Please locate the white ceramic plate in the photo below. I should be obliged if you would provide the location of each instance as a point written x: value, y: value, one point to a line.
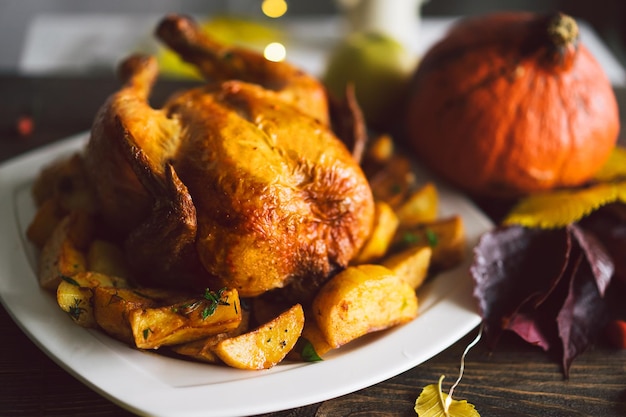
x: 153, y: 385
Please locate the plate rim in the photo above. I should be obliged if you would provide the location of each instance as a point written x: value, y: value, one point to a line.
x: 144, y: 393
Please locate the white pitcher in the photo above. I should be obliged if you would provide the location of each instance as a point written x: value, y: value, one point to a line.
x: 399, y: 19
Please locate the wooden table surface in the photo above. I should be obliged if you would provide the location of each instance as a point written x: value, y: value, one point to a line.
x: 514, y: 380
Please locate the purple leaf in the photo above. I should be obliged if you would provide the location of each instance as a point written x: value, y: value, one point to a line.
x: 609, y: 225
x: 583, y: 314
x: 515, y: 266
x: 546, y: 285
x: 597, y: 256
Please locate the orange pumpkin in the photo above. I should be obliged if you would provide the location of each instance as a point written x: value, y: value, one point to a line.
x: 511, y: 103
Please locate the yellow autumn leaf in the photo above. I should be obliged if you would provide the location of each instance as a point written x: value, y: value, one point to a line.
x: 432, y: 402
x: 560, y: 208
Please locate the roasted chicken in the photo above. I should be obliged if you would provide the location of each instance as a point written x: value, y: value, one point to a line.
x: 239, y: 182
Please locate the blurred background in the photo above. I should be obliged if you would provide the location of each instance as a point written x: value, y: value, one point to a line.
x: 606, y: 17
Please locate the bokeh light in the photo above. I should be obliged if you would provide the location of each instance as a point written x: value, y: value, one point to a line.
x: 275, y: 51
x: 274, y: 8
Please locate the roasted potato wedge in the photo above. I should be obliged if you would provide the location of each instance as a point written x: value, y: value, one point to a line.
x: 265, y: 309
x: 75, y: 295
x: 411, y: 264
x: 63, y: 254
x: 380, y: 149
x: 360, y: 300
x: 265, y: 346
x: 185, y: 321
x: 202, y: 349
x: 445, y: 236
x: 112, y: 307
x: 107, y: 258
x: 65, y: 182
x: 46, y: 219
x: 377, y: 244
x: 312, y: 345
x: 394, y: 181
x: 421, y: 206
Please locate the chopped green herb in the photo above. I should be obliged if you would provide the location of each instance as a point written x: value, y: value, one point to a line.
x: 209, y: 303
x: 76, y: 310
x: 410, y: 238
x: 432, y: 238
x: 215, y: 299
x: 208, y: 311
x: 146, y: 333
x: 70, y: 280
x: 395, y: 188
x: 307, y: 350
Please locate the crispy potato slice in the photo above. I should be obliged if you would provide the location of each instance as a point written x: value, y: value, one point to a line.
x: 186, y: 321
x: 63, y: 253
x: 393, y: 182
x: 421, y: 206
x: 112, y: 307
x: 380, y: 149
x: 265, y: 309
x: 265, y: 346
x: 46, y: 219
x: 445, y: 236
x: 385, y: 225
x: 75, y: 295
x: 362, y: 299
x: 202, y: 349
x: 65, y: 182
x: 107, y: 258
x: 312, y: 345
x: 411, y: 264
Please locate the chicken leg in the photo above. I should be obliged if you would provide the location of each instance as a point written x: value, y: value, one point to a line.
x: 218, y: 62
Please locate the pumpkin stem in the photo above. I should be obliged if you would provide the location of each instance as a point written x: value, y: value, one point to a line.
x: 562, y: 30
x: 560, y: 37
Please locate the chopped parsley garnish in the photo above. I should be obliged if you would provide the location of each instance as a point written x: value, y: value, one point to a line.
x: 410, y: 238
x: 70, y: 280
x: 307, y: 350
x: 432, y: 238
x: 395, y: 189
x: 209, y: 303
x: 76, y: 310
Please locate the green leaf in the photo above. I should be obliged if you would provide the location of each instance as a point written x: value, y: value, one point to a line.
x: 432, y: 403
x: 559, y: 208
x: 70, y: 280
x: 307, y: 350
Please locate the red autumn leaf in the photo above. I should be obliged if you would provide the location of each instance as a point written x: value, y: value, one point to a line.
x: 597, y: 256
x: 609, y: 225
x: 546, y: 285
x: 583, y: 314
x: 513, y: 267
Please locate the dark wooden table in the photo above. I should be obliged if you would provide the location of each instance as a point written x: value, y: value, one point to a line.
x: 514, y: 380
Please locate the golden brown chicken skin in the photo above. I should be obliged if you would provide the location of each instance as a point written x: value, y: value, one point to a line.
x: 232, y: 183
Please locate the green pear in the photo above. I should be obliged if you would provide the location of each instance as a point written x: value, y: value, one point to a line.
x: 379, y: 67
